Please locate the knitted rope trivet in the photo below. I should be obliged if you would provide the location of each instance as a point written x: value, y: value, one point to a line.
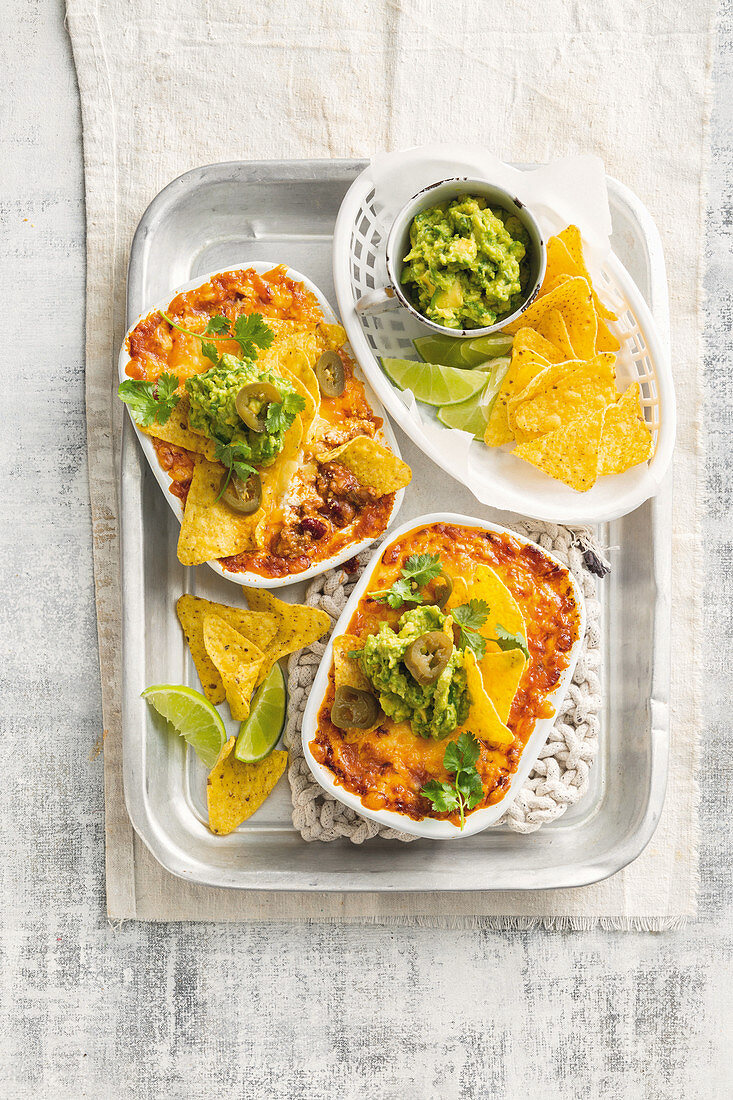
x: 560, y: 776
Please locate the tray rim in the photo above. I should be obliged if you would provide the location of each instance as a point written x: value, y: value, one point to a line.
x: 592, y: 869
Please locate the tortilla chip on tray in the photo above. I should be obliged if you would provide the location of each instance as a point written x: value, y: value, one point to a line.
x: 483, y: 720
x: 258, y: 627
x: 238, y: 661
x: 501, y: 671
x: 297, y: 624
x: 625, y: 439
x: 569, y: 454
x: 235, y: 790
x: 373, y: 464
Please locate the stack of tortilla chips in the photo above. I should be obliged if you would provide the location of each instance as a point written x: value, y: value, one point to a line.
x: 559, y: 400
x: 234, y: 649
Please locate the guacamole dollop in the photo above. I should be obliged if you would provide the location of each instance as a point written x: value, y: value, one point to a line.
x: 466, y: 265
x: 433, y: 710
x: 213, y: 410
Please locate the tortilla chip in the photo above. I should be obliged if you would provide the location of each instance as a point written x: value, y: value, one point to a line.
x: 569, y: 454
x: 334, y: 336
x: 573, y: 300
x: 605, y: 339
x: 501, y: 672
x: 346, y: 670
x: 209, y: 529
x: 238, y: 661
x: 276, y: 479
x: 298, y: 626
x: 554, y: 327
x: 625, y: 440
x: 176, y: 430
x: 234, y: 790
x: 257, y: 626
x: 373, y: 463
x: 485, y: 584
x: 297, y: 364
x: 528, y: 339
x: 526, y: 364
x: 482, y: 721
x: 562, y: 393
x: 573, y: 244
x: 310, y: 411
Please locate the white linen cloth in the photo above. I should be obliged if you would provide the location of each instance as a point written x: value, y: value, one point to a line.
x: 167, y: 86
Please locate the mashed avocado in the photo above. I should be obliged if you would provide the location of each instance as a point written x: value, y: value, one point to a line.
x: 434, y: 710
x: 213, y: 410
x: 466, y: 265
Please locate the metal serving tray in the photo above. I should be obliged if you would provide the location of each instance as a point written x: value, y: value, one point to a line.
x: 284, y: 211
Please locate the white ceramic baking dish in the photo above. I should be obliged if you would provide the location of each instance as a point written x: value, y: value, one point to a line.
x: 478, y: 819
x: 385, y: 434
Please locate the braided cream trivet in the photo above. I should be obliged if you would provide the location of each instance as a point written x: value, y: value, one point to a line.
x: 560, y: 776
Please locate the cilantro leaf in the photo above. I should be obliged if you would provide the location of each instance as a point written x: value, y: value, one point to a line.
x: 422, y: 567
x: 467, y: 789
x: 150, y: 402
x: 443, y: 796
x: 218, y: 325
x: 461, y: 753
x: 469, y: 617
x: 249, y: 332
x: 281, y: 414
x: 418, y: 570
x: 252, y: 332
x: 211, y: 351
x: 507, y: 640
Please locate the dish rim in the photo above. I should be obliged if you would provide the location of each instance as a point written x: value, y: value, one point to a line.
x: 255, y: 580
x: 478, y: 820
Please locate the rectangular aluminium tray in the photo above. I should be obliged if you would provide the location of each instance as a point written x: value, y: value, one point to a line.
x: 224, y: 215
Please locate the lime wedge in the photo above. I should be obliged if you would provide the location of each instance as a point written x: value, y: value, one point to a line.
x: 433, y: 383
x: 260, y: 731
x: 481, y: 348
x: 465, y: 353
x: 445, y: 350
x: 467, y: 416
x: 192, y: 715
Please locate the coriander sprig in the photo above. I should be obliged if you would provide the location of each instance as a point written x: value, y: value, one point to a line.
x: 418, y: 570
x: 150, y: 402
x: 469, y: 617
x: 250, y: 332
x: 506, y: 640
x: 466, y: 790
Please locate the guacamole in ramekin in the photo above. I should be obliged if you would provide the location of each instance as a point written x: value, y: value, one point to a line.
x: 466, y: 267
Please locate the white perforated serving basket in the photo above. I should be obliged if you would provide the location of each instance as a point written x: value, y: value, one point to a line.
x: 494, y: 476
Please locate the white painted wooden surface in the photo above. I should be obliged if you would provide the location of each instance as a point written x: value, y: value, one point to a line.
x: 274, y: 1011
